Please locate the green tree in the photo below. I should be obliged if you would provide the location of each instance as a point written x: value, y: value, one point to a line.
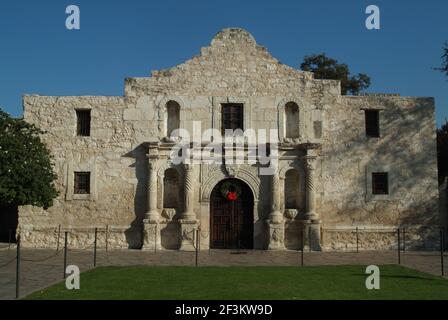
x: 324, y: 67
x: 26, y: 173
x: 444, y: 67
x: 442, y: 133
x: 442, y: 151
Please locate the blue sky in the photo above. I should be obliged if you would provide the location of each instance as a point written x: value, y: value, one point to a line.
x: 121, y: 39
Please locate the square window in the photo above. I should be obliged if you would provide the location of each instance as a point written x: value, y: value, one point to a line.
x: 380, y: 183
x: 82, y: 183
x: 372, y: 123
x: 83, y: 123
x: 232, y: 116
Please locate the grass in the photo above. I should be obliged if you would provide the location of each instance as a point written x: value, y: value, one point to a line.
x: 271, y: 283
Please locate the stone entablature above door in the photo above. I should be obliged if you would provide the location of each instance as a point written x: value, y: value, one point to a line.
x: 211, y: 174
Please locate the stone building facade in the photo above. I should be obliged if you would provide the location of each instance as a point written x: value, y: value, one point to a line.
x: 344, y: 162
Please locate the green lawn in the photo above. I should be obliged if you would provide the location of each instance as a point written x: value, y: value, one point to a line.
x: 329, y: 282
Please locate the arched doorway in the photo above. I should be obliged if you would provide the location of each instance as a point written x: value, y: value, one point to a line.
x: 231, y: 222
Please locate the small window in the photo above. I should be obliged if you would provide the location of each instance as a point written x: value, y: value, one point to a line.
x: 380, y: 183
x: 372, y: 123
x: 82, y: 183
x: 232, y: 116
x: 83, y: 123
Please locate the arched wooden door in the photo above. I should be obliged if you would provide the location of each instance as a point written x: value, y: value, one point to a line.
x: 232, y: 222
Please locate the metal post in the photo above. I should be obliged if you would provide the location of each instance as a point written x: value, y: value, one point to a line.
x: 18, y: 268
x: 303, y: 244
x: 155, y: 238
x: 309, y: 238
x: 199, y: 239
x: 9, y: 241
x: 107, y: 236
x: 404, y: 239
x: 65, y: 252
x: 357, y: 241
x: 59, y: 236
x: 441, y: 252
x: 197, y: 246
x: 94, y: 248
x: 399, y: 251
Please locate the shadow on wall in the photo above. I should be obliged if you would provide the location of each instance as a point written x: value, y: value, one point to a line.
x: 134, y: 235
x: 263, y: 208
x: 413, y: 200
x: 170, y: 236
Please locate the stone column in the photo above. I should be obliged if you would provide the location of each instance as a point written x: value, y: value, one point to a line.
x: 312, y: 223
x: 151, y: 226
x: 188, y: 221
x: 152, y: 214
x: 188, y: 214
x: 309, y: 184
x: 276, y: 223
x: 275, y: 214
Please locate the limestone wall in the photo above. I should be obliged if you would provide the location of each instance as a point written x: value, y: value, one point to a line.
x: 234, y: 69
x: 110, y: 154
x: 406, y: 149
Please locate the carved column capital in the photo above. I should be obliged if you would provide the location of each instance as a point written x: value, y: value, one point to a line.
x: 310, y: 163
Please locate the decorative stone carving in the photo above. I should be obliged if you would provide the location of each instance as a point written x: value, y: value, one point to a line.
x: 275, y: 222
x: 169, y: 213
x: 291, y: 214
x: 275, y: 215
x: 151, y: 235
x: 309, y: 184
x: 213, y: 174
x: 232, y: 170
x: 189, y: 213
x: 276, y: 233
x: 187, y: 234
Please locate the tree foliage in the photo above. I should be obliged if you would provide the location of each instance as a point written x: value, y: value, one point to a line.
x: 442, y: 151
x: 442, y: 133
x: 26, y: 173
x: 324, y: 67
x: 444, y: 67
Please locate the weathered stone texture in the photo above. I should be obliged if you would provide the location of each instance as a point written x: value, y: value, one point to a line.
x: 406, y: 149
x: 234, y: 68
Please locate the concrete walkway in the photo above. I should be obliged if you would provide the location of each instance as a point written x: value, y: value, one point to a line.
x: 43, y: 267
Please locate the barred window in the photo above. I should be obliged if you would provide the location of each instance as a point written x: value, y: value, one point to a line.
x: 82, y: 183
x: 232, y: 116
x: 380, y: 183
x: 83, y: 123
x: 372, y: 123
